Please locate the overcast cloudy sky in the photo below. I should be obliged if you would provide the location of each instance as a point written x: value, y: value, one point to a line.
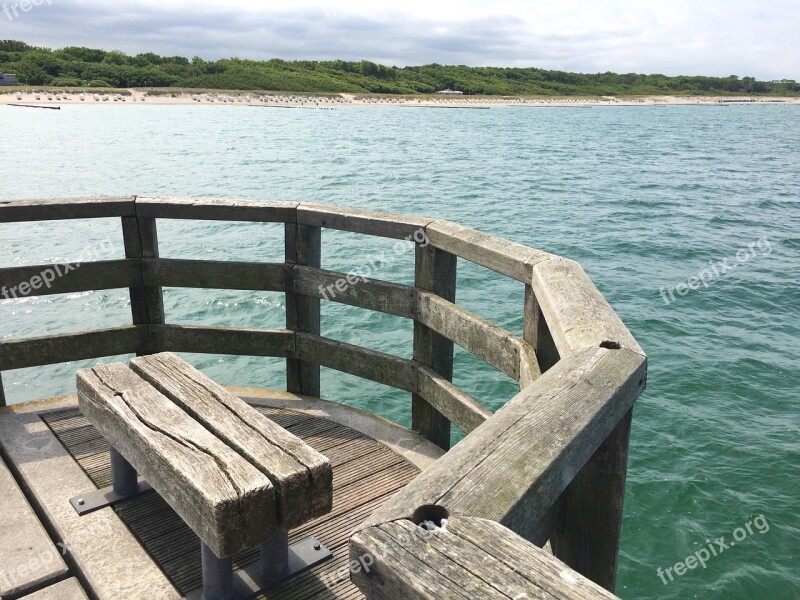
x: 708, y: 37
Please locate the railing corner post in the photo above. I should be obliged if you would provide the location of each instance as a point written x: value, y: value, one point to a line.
x: 140, y: 237
x: 303, y: 247
x: 537, y: 333
x: 589, y: 513
x: 435, y: 271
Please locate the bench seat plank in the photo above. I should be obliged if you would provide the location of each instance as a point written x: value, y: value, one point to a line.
x: 226, y: 501
x: 302, y: 477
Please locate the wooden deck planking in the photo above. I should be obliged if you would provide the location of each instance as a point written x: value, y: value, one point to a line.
x: 365, y: 475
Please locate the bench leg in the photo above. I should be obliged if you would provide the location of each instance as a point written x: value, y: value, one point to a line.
x: 275, y: 556
x: 278, y: 562
x: 123, y: 475
x: 217, y: 575
x: 125, y: 485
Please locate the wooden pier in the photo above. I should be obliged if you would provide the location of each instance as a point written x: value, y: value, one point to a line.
x: 528, y: 504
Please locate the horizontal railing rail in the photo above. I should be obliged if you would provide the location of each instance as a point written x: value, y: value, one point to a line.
x: 550, y: 465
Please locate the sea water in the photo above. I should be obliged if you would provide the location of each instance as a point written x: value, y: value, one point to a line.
x: 687, y: 218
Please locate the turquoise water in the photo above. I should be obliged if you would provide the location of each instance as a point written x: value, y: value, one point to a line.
x: 644, y: 197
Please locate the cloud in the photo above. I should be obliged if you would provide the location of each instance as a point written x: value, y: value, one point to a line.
x: 716, y: 37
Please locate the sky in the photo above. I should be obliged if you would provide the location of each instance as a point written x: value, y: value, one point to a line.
x: 673, y: 37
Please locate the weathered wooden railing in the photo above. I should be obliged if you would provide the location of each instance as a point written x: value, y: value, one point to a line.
x: 550, y: 465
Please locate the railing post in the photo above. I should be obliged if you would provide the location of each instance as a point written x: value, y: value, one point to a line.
x: 303, y: 247
x: 2, y: 393
x: 147, y: 302
x: 536, y: 332
x: 589, y: 522
x: 435, y: 272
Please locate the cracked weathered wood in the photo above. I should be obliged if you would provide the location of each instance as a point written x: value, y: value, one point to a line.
x: 588, y: 515
x: 434, y: 272
x: 478, y: 336
x: 377, y: 366
x: 350, y: 288
x: 472, y: 558
x: 226, y: 501
x: 302, y: 477
x: 577, y: 313
x: 458, y: 407
x: 515, y: 466
x: 535, y: 331
x: 499, y: 255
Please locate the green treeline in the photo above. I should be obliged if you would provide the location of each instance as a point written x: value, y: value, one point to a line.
x: 83, y: 67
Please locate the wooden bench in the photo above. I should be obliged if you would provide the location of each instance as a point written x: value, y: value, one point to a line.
x: 236, y: 478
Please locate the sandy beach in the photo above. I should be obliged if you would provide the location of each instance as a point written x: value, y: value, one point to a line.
x: 142, y: 97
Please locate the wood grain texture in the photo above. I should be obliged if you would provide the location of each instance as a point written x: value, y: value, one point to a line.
x: 140, y: 236
x: 362, y: 362
x: 450, y: 401
x: 478, y: 336
x: 213, y: 274
x: 23, y: 541
x: 71, y: 277
x: 535, y: 332
x: 589, y: 513
x: 529, y: 369
x: 515, y: 466
x: 434, y: 272
x: 302, y: 477
x: 90, y: 207
x: 360, y: 221
x: 213, y: 209
x: 472, y: 558
x: 48, y: 350
x: 303, y: 247
x: 381, y: 296
x: 222, y: 340
x: 502, y: 256
x: 226, y: 501
x: 576, y: 313
x: 366, y: 474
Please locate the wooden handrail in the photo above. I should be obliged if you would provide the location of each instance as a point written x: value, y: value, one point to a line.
x: 52, y: 349
x: 69, y: 278
x: 549, y: 465
x: 57, y: 209
x: 559, y: 421
x: 470, y: 558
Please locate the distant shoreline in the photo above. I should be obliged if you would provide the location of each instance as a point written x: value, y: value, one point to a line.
x: 133, y: 97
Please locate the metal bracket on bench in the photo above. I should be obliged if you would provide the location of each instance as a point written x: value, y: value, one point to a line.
x: 278, y: 563
x: 126, y: 486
